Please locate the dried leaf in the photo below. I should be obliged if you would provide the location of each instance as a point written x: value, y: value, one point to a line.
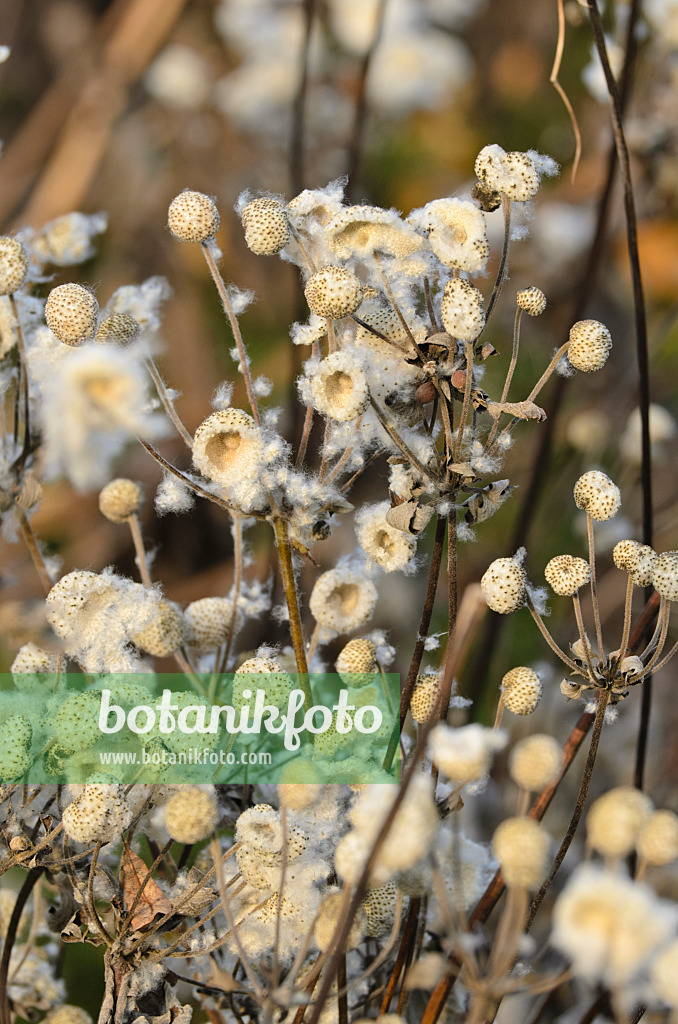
x: 152, y: 902
x: 409, y: 516
x: 521, y: 410
x: 483, y: 505
x: 463, y: 469
x: 200, y: 900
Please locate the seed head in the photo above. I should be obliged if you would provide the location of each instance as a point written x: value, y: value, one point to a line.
x: 267, y: 229
x: 590, y: 344
x: 503, y: 585
x: 337, y: 387
x: 522, y: 690
x: 119, y: 327
x: 531, y: 300
x: 462, y: 309
x: 566, y: 574
x: 665, y: 575
x: 99, y: 813
x: 357, y: 663
x: 333, y: 292
x: 227, y: 447
x: 299, y: 788
x: 424, y: 697
x: 68, y: 1014
x: 636, y: 559
x: 208, y: 622
x: 277, y: 684
x: 13, y: 264
x: 657, y: 841
x: 71, y: 313
x: 164, y: 635
x: 15, y: 745
x: 464, y: 754
x: 76, y: 725
x: 193, y: 217
x: 598, y: 495
x: 521, y: 846
x: 120, y: 499
x: 514, y: 175
x: 535, y: 762
x: 379, y: 906
x: 343, y: 600
x: 390, y: 548
x: 191, y: 814
x: 615, y: 820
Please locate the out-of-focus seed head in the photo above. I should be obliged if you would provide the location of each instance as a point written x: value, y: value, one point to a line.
x: 333, y: 292
x: 193, y: 217
x: 328, y: 918
x: 521, y: 846
x: 522, y: 690
x: 13, y: 264
x: 267, y: 229
x: 590, y: 344
x: 598, y: 495
x: 566, y: 574
x: 119, y: 327
x: 535, y: 762
x: 665, y: 575
x: 615, y: 820
x: 120, y: 499
x: 531, y: 300
x: 71, y: 313
x: 657, y: 841
x: 191, y: 814
x: 68, y: 1014
x: 503, y: 585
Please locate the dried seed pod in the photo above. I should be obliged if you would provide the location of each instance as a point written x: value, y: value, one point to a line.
x: 13, y: 264
x: 598, y: 495
x: 522, y: 690
x: 535, y: 762
x: 615, y: 820
x: 119, y: 327
x: 277, y: 684
x: 567, y: 574
x: 357, y: 662
x: 665, y: 575
x: 15, y: 745
x: 379, y: 906
x: 227, y: 447
x: 636, y: 559
x: 333, y: 292
x: 590, y: 344
x: 120, y: 499
x: 462, y: 309
x: 657, y: 841
x: 165, y: 633
x: 193, y: 217
x: 208, y: 622
x: 503, y: 585
x: 343, y: 600
x: 531, y: 300
x: 71, y: 313
x: 521, y: 846
x: 424, y: 697
x: 267, y: 229
x: 191, y: 814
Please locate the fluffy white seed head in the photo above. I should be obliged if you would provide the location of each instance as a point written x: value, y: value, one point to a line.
x: 590, y: 344
x: 615, y: 819
x: 522, y: 848
x: 657, y: 841
x: 13, y: 264
x: 457, y: 233
x: 343, y: 600
x: 566, y: 574
x: 227, y: 447
x: 267, y: 229
x: 193, y: 217
x: 503, y: 585
x: 99, y: 813
x: 337, y: 387
x: 664, y: 974
x: 390, y: 548
x: 71, y: 313
x: 531, y: 300
x: 208, y: 622
x: 636, y: 559
x: 120, y: 499
x: 464, y: 754
x: 514, y: 175
x: 598, y: 495
x: 535, y: 762
x: 462, y: 309
x: 191, y: 814
x: 665, y: 575
x: 424, y: 696
x: 333, y: 292
x: 522, y: 690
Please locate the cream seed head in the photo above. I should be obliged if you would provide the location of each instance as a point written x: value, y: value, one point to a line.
x: 193, y: 217
x: 522, y: 690
x: 191, y: 814
x: 514, y: 175
x: 390, y: 548
x: 33, y: 660
x: 302, y: 793
x: 657, y: 841
x: 337, y: 387
x: 329, y: 916
x: 343, y: 600
x: 379, y: 906
x: 76, y: 725
x: 464, y: 754
x: 664, y: 974
x: 462, y: 309
x: 227, y: 447
x: 71, y: 313
x: 208, y: 622
x: 267, y: 229
x: 119, y: 327
x: 503, y: 585
x: 665, y: 575
x: 67, y: 1014
x: 424, y: 697
x: 13, y: 264
x: 164, y: 634
x: 357, y: 662
x: 590, y: 344
x: 535, y: 762
x: 100, y: 813
x: 615, y: 820
x: 522, y: 847
x: 636, y: 559
x: 277, y: 684
x: 333, y: 292
x: 598, y: 495
x: 120, y: 499
x: 567, y: 574
x: 531, y: 300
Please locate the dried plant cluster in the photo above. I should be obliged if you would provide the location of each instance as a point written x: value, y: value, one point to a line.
x: 313, y: 900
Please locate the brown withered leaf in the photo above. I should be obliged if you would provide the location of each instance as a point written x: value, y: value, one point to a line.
x: 152, y: 902
x: 199, y: 901
x: 521, y: 410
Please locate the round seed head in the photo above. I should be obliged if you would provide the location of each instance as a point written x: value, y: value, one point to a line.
x: 522, y: 690
x: 598, y: 495
x: 68, y: 1014
x: 535, y: 762
x: 590, y: 344
x: 379, y: 906
x: 636, y: 559
x: 333, y: 292
x: 566, y: 574
x: 357, y: 663
x: 665, y: 575
x: 615, y: 820
x: 462, y: 309
x: 119, y: 327
x: 522, y: 177
x: 227, y: 447
x: 389, y: 547
x: 664, y: 974
x: 100, y: 813
x: 76, y: 725
x: 191, y: 814
x: 193, y: 217
x: 71, y: 313
x: 277, y: 684
x: 300, y: 787
x: 338, y: 387
x: 208, y: 622
x: 120, y: 499
x: 503, y: 585
x: 267, y: 230
x: 424, y: 697
x: 531, y: 300
x: 657, y: 841
x: 521, y: 846
x: 13, y: 264
x: 165, y: 633
x: 15, y: 744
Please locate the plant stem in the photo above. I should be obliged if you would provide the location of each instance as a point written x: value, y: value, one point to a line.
x: 142, y: 564
x: 290, y: 584
x: 34, y: 551
x: 167, y: 402
x: 501, y: 273
x: 547, y: 636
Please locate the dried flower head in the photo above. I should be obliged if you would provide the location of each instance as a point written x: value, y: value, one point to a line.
x: 193, y: 217
x: 357, y: 662
x: 336, y: 386
x: 390, y: 548
x: 13, y: 264
x: 333, y: 292
x: 531, y: 300
x: 514, y: 175
x: 503, y: 585
x: 267, y: 229
x: 360, y: 230
x: 343, y: 600
x: 535, y: 762
x: 119, y: 327
x: 208, y: 622
x: 227, y: 447
x: 99, y: 813
x: 71, y: 313
x: 465, y: 754
x: 120, y: 499
x: 462, y: 309
x: 522, y: 690
x: 665, y: 575
x: 164, y: 634
x: 567, y: 574
x: 615, y: 819
x: 191, y: 814
x: 521, y: 846
x: 590, y: 344
x: 636, y: 559
x: 657, y: 842
x: 598, y: 495
x: 425, y: 696
x: 456, y: 233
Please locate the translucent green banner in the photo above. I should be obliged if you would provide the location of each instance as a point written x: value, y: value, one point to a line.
x: 169, y: 728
